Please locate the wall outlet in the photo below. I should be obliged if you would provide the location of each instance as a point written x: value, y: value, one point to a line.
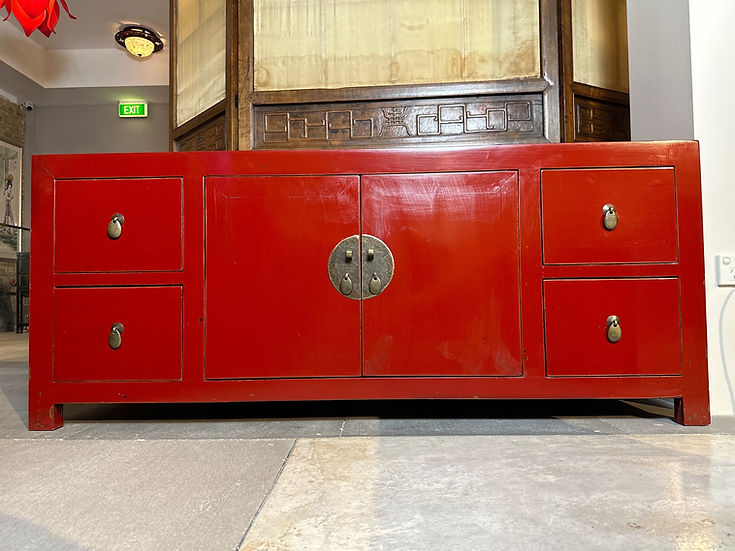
x: 725, y: 269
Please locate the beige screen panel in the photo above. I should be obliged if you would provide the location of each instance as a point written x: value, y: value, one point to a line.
x: 200, y: 56
x: 600, y: 43
x: 303, y: 44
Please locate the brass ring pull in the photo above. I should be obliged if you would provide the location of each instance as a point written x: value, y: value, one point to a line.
x: 115, y: 338
x: 614, y: 331
x: 114, y: 228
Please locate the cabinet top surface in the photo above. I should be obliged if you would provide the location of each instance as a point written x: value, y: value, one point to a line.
x: 371, y: 161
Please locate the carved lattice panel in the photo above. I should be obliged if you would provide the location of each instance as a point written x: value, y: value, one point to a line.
x: 494, y: 119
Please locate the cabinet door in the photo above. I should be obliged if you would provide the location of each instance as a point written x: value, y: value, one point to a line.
x: 453, y: 305
x: 271, y: 310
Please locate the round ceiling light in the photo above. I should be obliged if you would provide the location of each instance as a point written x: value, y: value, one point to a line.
x: 139, y: 41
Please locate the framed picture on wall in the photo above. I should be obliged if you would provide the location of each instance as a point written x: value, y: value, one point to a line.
x: 11, y: 166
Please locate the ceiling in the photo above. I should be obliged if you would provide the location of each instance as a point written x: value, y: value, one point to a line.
x: 97, y: 21
x: 81, y: 63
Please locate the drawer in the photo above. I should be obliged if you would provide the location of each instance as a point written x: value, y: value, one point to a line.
x: 576, y: 330
x: 151, y: 232
x: 572, y: 216
x: 150, y: 340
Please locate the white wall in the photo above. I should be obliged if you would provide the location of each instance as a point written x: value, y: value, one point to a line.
x: 712, y: 24
x: 659, y: 69
x: 679, y: 89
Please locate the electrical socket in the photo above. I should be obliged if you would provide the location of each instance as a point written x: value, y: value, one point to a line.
x: 725, y: 269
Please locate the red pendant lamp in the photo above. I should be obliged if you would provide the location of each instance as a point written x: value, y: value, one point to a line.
x: 35, y: 14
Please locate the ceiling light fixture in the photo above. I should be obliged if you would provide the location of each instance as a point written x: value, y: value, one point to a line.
x: 139, y: 41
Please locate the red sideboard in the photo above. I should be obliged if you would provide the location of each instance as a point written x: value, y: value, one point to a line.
x: 516, y: 271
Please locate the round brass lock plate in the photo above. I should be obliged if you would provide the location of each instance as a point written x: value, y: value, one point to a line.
x: 360, y: 267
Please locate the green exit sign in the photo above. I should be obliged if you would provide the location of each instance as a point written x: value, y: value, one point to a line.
x: 128, y: 109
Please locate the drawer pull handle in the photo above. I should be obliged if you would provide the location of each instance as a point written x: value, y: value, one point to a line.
x: 614, y: 331
x: 115, y: 338
x: 610, y: 217
x: 345, y: 286
x: 114, y: 228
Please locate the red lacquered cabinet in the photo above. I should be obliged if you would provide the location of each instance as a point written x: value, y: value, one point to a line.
x: 527, y: 271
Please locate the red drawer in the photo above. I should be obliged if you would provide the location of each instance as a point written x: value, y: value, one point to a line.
x: 151, y: 339
x: 151, y: 233
x: 576, y: 329
x: 645, y: 206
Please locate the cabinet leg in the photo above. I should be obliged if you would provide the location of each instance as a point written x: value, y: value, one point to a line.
x: 45, y: 417
x: 691, y: 410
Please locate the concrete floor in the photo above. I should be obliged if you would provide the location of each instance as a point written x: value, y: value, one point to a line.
x: 361, y: 476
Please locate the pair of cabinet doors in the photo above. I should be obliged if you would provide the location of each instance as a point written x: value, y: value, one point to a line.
x: 451, y: 307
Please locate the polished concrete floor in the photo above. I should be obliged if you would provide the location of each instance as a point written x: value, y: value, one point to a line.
x: 361, y: 476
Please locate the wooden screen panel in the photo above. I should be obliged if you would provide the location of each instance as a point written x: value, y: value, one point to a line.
x: 600, y: 43
x: 314, y: 44
x: 200, y: 56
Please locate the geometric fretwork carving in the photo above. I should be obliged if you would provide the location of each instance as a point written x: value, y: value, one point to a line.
x: 208, y: 137
x: 491, y: 119
x: 597, y: 120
